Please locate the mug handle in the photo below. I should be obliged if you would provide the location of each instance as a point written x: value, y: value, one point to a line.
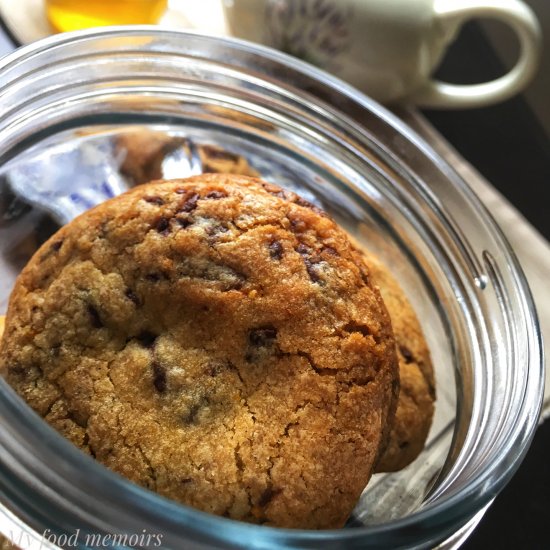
x: 452, y: 14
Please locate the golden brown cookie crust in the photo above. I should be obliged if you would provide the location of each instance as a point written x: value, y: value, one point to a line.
x: 215, y: 339
x: 415, y: 406
x: 5, y: 543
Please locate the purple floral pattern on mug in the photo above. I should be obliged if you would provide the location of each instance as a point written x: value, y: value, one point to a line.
x: 316, y: 31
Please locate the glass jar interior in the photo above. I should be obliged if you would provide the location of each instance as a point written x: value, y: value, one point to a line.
x: 369, y: 173
x: 318, y: 171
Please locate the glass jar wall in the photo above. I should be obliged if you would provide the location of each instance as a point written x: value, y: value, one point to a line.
x: 308, y: 131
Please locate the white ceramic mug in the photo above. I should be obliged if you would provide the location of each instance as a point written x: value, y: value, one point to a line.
x: 389, y: 48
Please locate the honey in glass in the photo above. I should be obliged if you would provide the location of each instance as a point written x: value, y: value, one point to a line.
x: 70, y: 15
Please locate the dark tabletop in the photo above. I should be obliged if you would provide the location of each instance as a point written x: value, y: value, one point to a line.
x: 507, y: 144
x: 509, y: 147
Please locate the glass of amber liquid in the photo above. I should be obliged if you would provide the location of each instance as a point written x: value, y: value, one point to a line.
x: 70, y: 15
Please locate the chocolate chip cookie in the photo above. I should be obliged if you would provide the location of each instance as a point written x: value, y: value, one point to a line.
x: 217, y: 340
x: 415, y: 406
x: 143, y: 152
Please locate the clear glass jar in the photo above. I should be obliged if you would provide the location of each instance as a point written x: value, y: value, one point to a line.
x: 304, y: 129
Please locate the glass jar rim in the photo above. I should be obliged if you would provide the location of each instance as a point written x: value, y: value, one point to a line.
x: 455, y: 505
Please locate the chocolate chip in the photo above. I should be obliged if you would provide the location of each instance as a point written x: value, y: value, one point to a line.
x: 228, y: 280
x: 306, y: 204
x: 297, y: 224
x: 407, y: 354
x: 190, y: 203
x: 275, y: 190
x: 365, y: 277
x: 156, y: 277
x: 312, y: 270
x: 302, y: 202
x: 214, y: 368
x: 146, y: 339
x: 17, y: 369
x: 191, y: 416
x: 132, y: 296
x: 267, y: 496
x: 221, y: 154
x: 276, y: 250
x: 262, y: 337
x: 216, y: 195
x: 103, y: 231
x: 154, y: 200
x: 159, y: 377
x: 238, y: 460
x: 186, y: 480
x: 184, y: 222
x: 309, y: 262
x: 215, y: 229
x: 403, y: 444
x: 55, y: 247
x: 163, y: 226
x: 330, y: 251
x: 236, y: 284
x: 353, y: 326
x: 95, y: 319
